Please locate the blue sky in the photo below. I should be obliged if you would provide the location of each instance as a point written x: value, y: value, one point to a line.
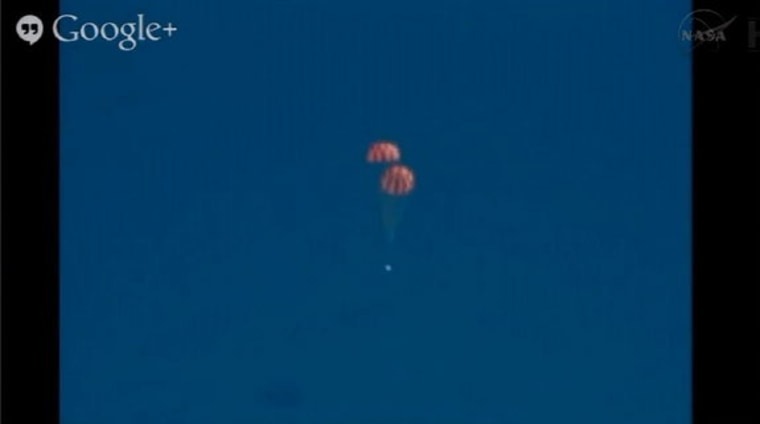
x: 222, y: 249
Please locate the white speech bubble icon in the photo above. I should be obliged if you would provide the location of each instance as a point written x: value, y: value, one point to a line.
x: 29, y: 28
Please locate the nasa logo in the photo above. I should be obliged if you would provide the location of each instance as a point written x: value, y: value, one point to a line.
x: 703, y: 26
